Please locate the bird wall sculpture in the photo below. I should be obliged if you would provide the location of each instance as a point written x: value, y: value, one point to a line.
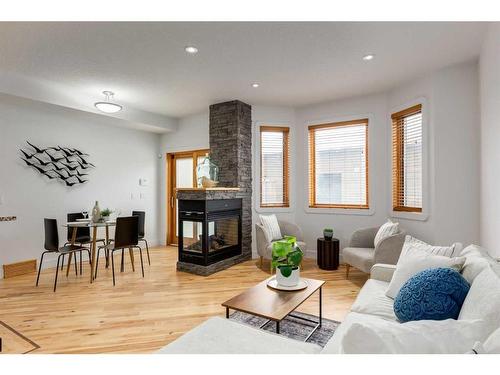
x: 63, y: 164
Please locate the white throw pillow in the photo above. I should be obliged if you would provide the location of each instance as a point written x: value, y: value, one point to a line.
x: 476, y: 260
x: 415, y: 260
x: 270, y: 223
x: 386, y: 230
x: 446, y: 251
x: 418, y: 337
x: 483, y: 299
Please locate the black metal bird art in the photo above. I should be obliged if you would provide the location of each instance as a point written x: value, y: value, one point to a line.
x: 58, y: 163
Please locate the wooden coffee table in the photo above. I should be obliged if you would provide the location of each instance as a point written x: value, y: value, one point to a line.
x: 276, y: 305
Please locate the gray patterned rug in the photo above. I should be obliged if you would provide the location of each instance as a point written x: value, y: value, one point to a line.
x: 293, y: 328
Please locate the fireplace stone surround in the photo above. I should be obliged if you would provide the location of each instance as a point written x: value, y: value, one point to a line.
x: 230, y: 133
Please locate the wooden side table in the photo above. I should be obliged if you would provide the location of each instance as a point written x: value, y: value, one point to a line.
x: 328, y: 254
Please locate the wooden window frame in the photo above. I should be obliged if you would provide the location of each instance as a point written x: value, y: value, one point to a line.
x: 398, y: 159
x: 312, y: 165
x: 286, y: 165
x: 171, y: 183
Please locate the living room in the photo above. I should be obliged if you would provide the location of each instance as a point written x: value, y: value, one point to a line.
x: 249, y: 187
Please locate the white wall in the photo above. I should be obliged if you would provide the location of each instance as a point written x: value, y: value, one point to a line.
x: 451, y: 121
x: 121, y: 156
x: 451, y: 105
x: 490, y: 136
x: 313, y: 221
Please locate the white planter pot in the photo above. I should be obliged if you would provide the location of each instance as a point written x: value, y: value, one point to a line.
x: 291, y: 280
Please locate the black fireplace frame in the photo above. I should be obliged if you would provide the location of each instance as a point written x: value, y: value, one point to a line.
x: 205, y: 211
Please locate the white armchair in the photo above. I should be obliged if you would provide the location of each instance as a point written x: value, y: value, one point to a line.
x: 265, y: 245
x: 362, y: 254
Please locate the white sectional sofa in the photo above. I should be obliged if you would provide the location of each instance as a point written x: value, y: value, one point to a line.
x: 219, y: 335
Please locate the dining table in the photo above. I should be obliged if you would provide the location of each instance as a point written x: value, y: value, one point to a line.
x: 88, y: 223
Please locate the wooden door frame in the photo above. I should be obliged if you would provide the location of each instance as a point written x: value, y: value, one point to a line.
x: 170, y: 185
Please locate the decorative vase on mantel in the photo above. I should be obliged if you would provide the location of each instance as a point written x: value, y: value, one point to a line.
x: 207, y: 173
x: 96, y: 213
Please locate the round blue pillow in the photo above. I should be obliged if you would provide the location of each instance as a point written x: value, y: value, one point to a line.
x: 432, y: 294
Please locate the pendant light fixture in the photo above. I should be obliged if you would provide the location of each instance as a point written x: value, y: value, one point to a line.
x: 107, y: 105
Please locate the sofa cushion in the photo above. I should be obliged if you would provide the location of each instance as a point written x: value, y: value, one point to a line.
x: 476, y: 260
x: 224, y: 336
x: 359, y: 257
x: 372, y: 300
x: 333, y: 346
x: 414, y: 260
x: 492, y: 343
x: 483, y: 299
x: 419, y: 337
x: 432, y: 294
x: 446, y: 251
x: 386, y: 230
x: 271, y: 225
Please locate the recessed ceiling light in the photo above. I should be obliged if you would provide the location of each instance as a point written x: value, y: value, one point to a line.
x: 368, y: 57
x: 191, y: 49
x: 107, y: 105
x: 255, y: 85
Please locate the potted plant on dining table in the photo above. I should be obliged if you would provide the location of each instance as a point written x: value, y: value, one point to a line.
x: 286, y: 258
x: 105, y: 214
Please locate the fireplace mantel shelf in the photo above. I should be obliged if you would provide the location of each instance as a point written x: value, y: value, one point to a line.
x: 209, y: 189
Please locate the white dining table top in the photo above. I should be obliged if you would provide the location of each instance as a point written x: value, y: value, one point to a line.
x: 89, y: 224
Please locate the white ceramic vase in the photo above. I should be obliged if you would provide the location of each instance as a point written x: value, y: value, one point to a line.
x: 291, y: 280
x: 96, y: 213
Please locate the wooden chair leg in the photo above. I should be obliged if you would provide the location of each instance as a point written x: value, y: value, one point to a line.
x: 271, y: 266
x: 261, y: 261
x: 347, y: 268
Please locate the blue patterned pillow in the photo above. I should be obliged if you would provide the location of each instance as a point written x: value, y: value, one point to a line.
x: 432, y: 294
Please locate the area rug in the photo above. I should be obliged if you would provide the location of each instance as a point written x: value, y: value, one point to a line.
x: 293, y: 328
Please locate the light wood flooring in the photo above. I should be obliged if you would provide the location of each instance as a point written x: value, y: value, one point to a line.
x: 142, y: 315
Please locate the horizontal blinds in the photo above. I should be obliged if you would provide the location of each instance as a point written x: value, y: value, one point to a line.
x: 338, y: 165
x: 274, y: 166
x: 407, y: 159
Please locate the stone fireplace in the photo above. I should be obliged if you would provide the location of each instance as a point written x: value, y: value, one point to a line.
x: 230, y: 132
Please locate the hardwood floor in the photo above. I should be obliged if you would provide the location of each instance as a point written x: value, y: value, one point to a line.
x: 142, y: 315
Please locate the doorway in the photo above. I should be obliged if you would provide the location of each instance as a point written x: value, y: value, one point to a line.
x: 181, y: 173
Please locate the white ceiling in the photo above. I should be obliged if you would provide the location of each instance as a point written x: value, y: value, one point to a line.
x: 146, y: 66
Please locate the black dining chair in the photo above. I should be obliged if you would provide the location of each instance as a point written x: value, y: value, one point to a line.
x: 52, y: 246
x: 82, y: 236
x: 142, y: 218
x: 126, y: 237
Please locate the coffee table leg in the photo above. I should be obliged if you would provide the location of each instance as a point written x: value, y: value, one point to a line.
x: 320, y: 305
x: 227, y: 312
x: 277, y: 327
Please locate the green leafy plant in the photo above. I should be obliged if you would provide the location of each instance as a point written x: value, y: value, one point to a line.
x: 287, y: 256
x: 106, y: 212
x: 328, y: 233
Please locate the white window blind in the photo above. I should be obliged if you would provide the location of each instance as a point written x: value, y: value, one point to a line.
x: 274, y: 166
x: 407, y: 159
x: 338, y: 165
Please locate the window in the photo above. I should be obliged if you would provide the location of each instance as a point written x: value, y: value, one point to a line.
x: 338, y: 165
x: 407, y: 160
x: 274, y: 166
